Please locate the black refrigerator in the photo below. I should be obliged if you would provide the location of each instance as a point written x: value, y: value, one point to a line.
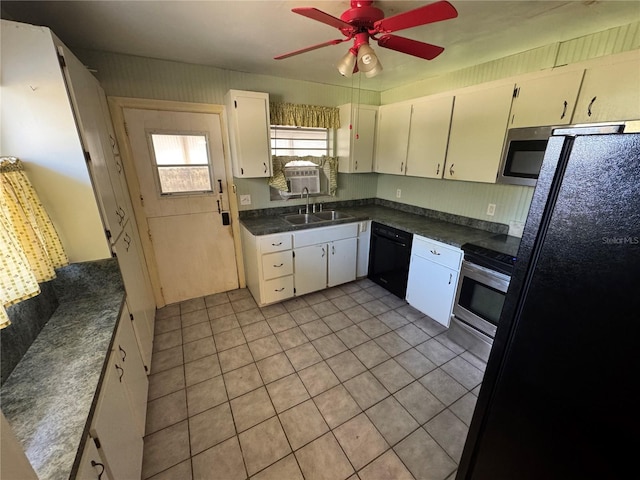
x: 560, y: 397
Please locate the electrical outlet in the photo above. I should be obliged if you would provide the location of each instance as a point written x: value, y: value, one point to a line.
x: 398, y: 193
x: 516, y: 228
x: 491, y: 209
x: 245, y: 199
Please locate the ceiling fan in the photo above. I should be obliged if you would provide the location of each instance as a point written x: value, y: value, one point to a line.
x: 363, y: 21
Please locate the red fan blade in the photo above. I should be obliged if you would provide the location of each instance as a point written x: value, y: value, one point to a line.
x: 434, y: 12
x: 320, y: 16
x: 308, y: 49
x: 411, y: 47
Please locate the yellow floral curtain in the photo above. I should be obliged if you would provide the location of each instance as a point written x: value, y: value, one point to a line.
x: 296, y: 115
x: 30, y: 246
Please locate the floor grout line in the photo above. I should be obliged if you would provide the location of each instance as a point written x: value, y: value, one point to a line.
x: 292, y: 307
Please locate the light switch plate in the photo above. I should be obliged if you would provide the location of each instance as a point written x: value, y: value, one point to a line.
x: 245, y: 199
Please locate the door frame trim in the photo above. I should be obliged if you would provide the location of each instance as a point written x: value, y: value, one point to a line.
x: 117, y: 105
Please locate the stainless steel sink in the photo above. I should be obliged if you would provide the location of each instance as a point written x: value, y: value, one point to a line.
x: 302, y: 218
x: 331, y: 215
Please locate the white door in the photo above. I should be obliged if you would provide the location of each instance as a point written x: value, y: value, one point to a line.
x: 113, y: 425
x: 392, y: 138
x: 431, y: 289
x: 342, y: 261
x: 310, y: 268
x: 179, y: 163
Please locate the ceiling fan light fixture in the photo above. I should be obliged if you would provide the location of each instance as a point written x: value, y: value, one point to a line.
x: 374, y: 71
x: 368, y: 62
x: 347, y: 63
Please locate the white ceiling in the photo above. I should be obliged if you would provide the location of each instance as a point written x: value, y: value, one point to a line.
x: 245, y: 35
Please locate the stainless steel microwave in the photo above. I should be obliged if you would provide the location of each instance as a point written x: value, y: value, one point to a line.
x: 522, y: 155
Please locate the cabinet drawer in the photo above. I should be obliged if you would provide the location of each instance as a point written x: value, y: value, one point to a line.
x: 278, y: 289
x: 277, y: 264
x: 441, y: 253
x: 275, y: 243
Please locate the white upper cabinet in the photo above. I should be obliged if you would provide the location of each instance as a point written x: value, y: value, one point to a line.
x: 478, y: 128
x: 547, y: 100
x: 428, y: 137
x: 610, y: 92
x: 392, y: 138
x: 249, y: 134
x: 356, y: 138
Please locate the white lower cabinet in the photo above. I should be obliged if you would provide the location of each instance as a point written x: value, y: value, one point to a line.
x: 283, y: 265
x: 132, y: 372
x: 364, y: 240
x: 342, y: 260
x: 92, y: 466
x: 324, y: 257
x: 268, y: 262
x: 142, y: 311
x: 310, y: 268
x: 433, y: 278
x: 118, y: 423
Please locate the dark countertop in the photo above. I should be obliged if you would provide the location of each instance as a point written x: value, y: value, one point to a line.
x: 434, y: 228
x: 500, y: 243
x: 50, y: 396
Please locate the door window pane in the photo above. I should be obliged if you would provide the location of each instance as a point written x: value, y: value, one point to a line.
x: 182, y: 163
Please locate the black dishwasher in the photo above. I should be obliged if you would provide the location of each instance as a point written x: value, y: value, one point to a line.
x: 389, y: 258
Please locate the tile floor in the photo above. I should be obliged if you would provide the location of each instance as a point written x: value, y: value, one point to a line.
x: 346, y: 383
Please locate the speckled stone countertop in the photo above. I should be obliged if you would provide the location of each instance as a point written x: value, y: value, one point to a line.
x: 50, y: 396
x: 449, y: 229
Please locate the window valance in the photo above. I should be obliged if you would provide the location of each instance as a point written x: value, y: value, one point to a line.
x: 296, y: 115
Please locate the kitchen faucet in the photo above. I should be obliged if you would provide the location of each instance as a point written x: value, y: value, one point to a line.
x: 305, y: 188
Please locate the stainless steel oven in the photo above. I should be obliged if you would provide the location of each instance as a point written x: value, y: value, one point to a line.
x: 482, y: 288
x: 480, y: 297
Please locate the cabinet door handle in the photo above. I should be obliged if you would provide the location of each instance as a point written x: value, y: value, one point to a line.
x: 279, y: 289
x: 450, y: 278
x: 127, y: 240
x: 123, y: 352
x: 451, y: 169
x: 402, y: 166
x: 435, y: 252
x: 356, y: 164
x: 564, y: 110
x: 438, y: 170
x: 96, y: 464
x: 118, y: 166
x: 278, y: 266
x: 590, y: 105
x: 333, y: 249
x: 265, y: 167
x: 120, y: 373
x: 323, y: 252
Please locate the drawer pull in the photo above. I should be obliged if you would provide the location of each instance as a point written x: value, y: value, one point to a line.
x: 278, y: 266
x: 276, y: 244
x: 435, y: 252
x: 279, y: 289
